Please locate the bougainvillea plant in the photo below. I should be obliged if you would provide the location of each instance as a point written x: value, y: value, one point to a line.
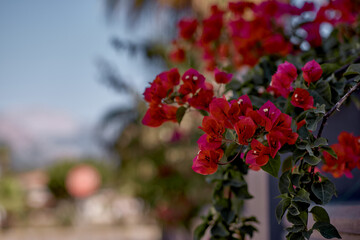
x: 271, y: 79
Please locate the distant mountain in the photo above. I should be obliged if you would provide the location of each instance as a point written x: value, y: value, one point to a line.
x: 37, y: 137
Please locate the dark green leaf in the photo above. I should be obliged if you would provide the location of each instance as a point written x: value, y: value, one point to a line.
x: 320, y: 142
x: 323, y: 89
x: 284, y: 183
x: 228, y: 215
x: 203, y: 112
x: 327, y: 230
x: 180, y: 113
x: 301, y: 219
x: 298, y: 153
x: 281, y: 208
x: 200, y: 231
x: 249, y: 229
x: 307, y: 234
x: 273, y: 166
x: 312, y: 160
x: 219, y: 230
x: 293, y: 210
x: 309, y: 150
x: 329, y: 68
x: 295, y: 179
x: 353, y: 69
x: 323, y: 191
x: 295, y: 236
x: 312, y: 120
x: 329, y: 150
x: 302, y: 196
x: 287, y: 164
x: 295, y: 228
x: 320, y: 214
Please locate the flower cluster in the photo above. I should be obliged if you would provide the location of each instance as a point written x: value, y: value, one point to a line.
x: 228, y: 34
x: 348, y: 156
x: 250, y: 125
x: 167, y: 88
x: 286, y: 74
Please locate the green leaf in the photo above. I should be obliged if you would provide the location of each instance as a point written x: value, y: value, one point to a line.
x: 302, y: 196
x: 323, y: 191
x: 320, y: 142
x: 284, y: 183
x: 281, y: 208
x: 307, y: 234
x: 298, y: 153
x: 312, y: 120
x: 329, y: 68
x: 273, y: 166
x: 353, y: 69
x: 301, y: 219
x: 327, y: 230
x: 295, y: 236
x: 200, y: 231
x: 295, y: 228
x: 203, y: 112
x: 330, y: 151
x: 320, y: 215
x: 293, y: 210
x: 219, y: 230
x: 180, y: 113
x: 228, y: 215
x: 287, y: 164
x: 249, y: 229
x: 324, y: 90
x: 312, y: 160
x: 309, y: 150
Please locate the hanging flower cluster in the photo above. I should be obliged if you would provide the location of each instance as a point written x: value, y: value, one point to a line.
x: 228, y: 34
x: 348, y: 156
x: 275, y: 108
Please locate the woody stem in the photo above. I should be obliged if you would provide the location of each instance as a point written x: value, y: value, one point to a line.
x: 225, y: 163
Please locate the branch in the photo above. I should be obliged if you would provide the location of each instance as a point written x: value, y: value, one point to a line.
x: 336, y: 107
x: 225, y: 163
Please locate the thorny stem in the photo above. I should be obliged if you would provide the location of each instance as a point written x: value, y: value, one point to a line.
x: 225, y: 163
x: 331, y: 111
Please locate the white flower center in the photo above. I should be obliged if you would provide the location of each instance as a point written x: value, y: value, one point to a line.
x: 195, y: 78
x: 187, y: 77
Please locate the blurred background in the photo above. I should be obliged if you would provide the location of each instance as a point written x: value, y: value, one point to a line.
x: 75, y: 162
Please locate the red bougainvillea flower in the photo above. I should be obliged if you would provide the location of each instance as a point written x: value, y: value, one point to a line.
x: 177, y: 55
x: 222, y: 77
x: 219, y: 108
x: 348, y: 156
x: 157, y: 115
x: 302, y: 99
x: 245, y: 129
x: 269, y: 113
x: 312, y: 71
x: 192, y: 81
x: 206, y: 161
x: 212, y: 127
x: 212, y: 26
x: 206, y: 142
x: 258, y: 155
x: 281, y: 81
x: 162, y: 86
x: 202, y: 98
x: 240, y: 107
x: 280, y: 85
x: 187, y: 27
x: 288, y: 69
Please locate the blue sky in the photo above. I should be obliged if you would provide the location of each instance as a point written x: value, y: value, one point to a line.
x: 48, y: 52
x: 49, y: 79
